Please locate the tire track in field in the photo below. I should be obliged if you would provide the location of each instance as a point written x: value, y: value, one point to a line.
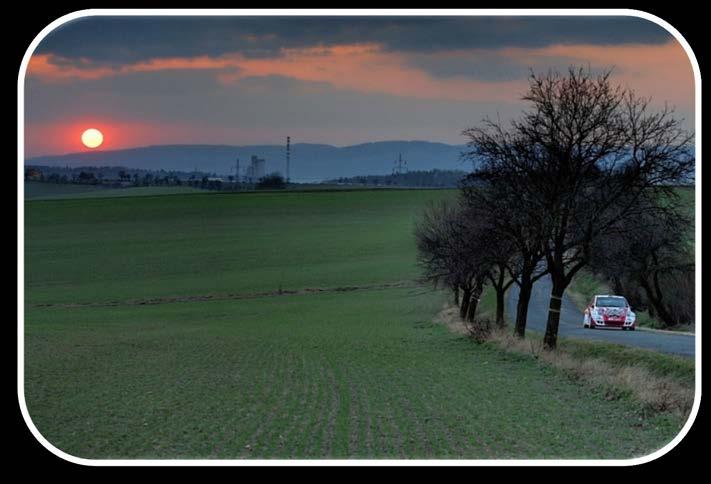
x: 242, y: 404
x: 252, y: 400
x: 315, y: 441
x: 310, y: 402
x: 391, y: 439
x: 270, y: 393
x: 445, y: 445
x: 445, y: 439
x: 300, y: 427
x: 229, y: 296
x: 365, y: 404
x: 295, y: 406
x: 286, y: 413
x: 244, y: 408
x: 334, y: 399
x: 360, y: 436
x: 255, y: 402
x: 420, y: 438
x: 354, y: 421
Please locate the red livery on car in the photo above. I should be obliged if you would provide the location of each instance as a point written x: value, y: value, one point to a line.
x: 607, y: 311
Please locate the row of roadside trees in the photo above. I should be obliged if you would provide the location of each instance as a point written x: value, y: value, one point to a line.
x: 586, y: 176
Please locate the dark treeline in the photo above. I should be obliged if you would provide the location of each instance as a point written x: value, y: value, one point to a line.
x: 424, y: 178
x: 121, y: 177
x: 586, y: 177
x: 101, y: 174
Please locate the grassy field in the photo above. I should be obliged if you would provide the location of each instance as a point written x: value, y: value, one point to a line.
x: 53, y: 191
x: 38, y: 190
x: 279, y: 325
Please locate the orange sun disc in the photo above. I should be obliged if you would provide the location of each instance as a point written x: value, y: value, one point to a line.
x: 92, y: 138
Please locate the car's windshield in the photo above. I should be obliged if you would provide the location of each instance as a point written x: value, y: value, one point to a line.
x: 612, y: 302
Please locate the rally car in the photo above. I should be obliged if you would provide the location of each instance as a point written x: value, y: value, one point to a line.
x: 607, y: 311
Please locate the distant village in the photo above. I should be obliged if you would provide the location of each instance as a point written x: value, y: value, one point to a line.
x: 251, y: 177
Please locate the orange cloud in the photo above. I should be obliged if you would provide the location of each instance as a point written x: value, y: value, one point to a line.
x: 54, y: 69
x: 368, y: 68
x: 662, y: 71
x: 42, y: 67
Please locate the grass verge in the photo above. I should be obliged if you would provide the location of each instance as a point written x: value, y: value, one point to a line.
x: 659, y: 383
x: 656, y: 382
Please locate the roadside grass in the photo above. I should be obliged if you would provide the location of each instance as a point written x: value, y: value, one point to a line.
x: 652, y: 383
x: 659, y: 364
x: 658, y: 382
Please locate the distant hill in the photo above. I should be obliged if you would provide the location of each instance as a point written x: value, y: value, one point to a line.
x: 309, y: 162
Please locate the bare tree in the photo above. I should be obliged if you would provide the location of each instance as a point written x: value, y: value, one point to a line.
x: 450, y: 252
x: 459, y: 248
x: 513, y: 225
x: 497, y: 252
x: 578, y: 160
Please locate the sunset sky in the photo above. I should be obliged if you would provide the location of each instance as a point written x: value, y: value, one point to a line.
x: 335, y: 80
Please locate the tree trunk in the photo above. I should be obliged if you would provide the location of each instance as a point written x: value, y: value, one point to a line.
x: 657, y: 304
x: 524, y: 296
x: 456, y: 296
x: 617, y: 285
x: 550, y: 340
x: 466, y: 299
x: 500, y: 307
x: 500, y: 288
x: 476, y: 293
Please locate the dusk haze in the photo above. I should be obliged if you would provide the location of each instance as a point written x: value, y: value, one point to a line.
x: 332, y: 80
x: 304, y: 237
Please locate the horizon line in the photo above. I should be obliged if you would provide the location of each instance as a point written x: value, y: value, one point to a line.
x: 215, y: 145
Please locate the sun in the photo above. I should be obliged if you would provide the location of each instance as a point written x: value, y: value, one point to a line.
x: 92, y: 138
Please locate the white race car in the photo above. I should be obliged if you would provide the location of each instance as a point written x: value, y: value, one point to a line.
x: 607, y: 311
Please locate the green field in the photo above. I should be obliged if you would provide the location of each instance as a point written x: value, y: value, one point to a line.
x: 38, y: 190
x: 279, y: 325
x: 53, y: 191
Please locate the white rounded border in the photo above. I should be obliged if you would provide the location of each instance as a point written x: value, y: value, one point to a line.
x: 348, y: 12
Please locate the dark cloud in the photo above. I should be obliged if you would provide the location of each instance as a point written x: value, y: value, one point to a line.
x: 265, y: 102
x: 116, y: 40
x: 490, y: 66
x: 486, y: 66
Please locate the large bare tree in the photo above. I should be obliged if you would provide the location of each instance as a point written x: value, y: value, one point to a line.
x: 579, y: 160
x: 514, y: 219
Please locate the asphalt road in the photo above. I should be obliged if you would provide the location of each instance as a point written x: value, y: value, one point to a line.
x: 571, y: 324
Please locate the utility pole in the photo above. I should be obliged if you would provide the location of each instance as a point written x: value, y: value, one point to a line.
x: 288, y: 153
x: 399, y: 165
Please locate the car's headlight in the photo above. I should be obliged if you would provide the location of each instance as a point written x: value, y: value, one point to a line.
x: 630, y: 317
